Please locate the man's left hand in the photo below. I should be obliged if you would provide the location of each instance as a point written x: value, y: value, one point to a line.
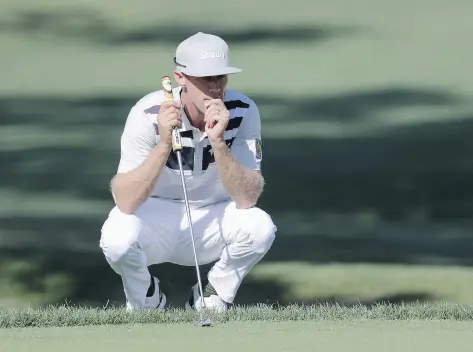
x: 216, y: 120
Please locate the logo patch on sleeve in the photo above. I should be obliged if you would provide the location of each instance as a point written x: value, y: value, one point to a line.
x: 259, y: 149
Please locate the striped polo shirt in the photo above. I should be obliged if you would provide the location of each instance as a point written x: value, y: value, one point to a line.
x: 141, y: 135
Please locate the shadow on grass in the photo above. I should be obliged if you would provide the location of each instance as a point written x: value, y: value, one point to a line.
x: 90, y: 25
x: 357, y: 105
x: 91, y: 282
x: 399, y: 195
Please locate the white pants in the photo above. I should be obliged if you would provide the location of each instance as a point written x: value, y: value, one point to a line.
x: 158, y: 232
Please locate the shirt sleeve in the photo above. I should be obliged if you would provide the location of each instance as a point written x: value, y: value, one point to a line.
x: 137, y: 140
x: 247, y: 145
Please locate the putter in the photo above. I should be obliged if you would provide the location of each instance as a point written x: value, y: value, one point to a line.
x: 177, y: 148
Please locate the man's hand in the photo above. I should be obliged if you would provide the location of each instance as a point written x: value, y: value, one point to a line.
x: 168, y: 117
x: 216, y: 120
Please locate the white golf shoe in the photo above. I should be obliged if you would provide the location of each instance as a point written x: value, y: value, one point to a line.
x: 155, y: 298
x: 212, y: 301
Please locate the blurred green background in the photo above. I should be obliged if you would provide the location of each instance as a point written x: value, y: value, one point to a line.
x: 367, y: 118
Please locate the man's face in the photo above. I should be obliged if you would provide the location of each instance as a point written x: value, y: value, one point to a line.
x: 200, y: 89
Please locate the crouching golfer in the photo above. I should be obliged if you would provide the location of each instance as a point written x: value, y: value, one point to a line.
x: 221, y: 136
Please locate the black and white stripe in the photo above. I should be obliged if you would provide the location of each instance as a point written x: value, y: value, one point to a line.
x: 187, y: 154
x: 188, y: 151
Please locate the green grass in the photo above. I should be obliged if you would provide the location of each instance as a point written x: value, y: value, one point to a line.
x: 350, y: 283
x: 365, y: 47
x: 57, y: 316
x: 283, y: 283
x: 363, y: 336
x: 409, y: 327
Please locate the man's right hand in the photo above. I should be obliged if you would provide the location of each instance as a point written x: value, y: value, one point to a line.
x: 168, y: 117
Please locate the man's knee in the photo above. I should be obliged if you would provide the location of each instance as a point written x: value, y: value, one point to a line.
x: 120, y: 233
x: 260, y: 228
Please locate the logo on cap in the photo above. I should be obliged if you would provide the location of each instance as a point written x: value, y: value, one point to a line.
x: 213, y: 55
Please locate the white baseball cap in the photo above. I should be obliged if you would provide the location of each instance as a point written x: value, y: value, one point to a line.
x: 203, y: 55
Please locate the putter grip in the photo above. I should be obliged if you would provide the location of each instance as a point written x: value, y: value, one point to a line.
x: 169, y: 96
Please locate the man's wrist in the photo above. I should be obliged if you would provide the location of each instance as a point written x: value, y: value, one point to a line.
x: 219, y: 145
x: 167, y: 146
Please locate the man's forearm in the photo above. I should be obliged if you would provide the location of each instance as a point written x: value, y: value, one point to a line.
x: 244, y: 185
x: 134, y: 187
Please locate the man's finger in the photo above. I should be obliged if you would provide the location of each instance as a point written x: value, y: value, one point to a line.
x: 173, y: 114
x: 212, y: 102
x: 171, y: 104
x: 213, y: 119
x: 213, y: 114
x: 212, y: 110
x: 175, y: 122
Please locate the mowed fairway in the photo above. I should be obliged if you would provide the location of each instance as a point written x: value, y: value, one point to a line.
x: 367, y: 336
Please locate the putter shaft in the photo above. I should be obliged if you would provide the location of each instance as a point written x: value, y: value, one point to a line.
x: 199, y: 280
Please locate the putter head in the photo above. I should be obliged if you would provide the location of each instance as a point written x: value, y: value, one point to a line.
x: 205, y: 323
x: 204, y: 320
